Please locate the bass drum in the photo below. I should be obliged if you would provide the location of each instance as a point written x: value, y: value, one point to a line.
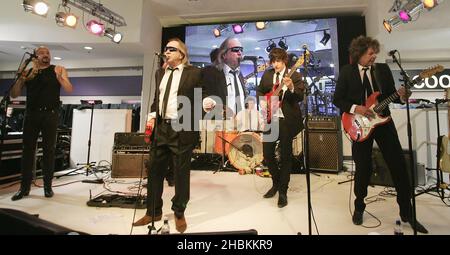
x: 224, y: 137
x: 246, y: 152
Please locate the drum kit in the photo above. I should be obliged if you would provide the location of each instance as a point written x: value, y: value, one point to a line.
x: 244, y: 149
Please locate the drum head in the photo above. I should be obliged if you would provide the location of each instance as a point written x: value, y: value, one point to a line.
x: 247, y: 152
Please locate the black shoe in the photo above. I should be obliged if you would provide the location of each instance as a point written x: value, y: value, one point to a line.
x: 282, y: 200
x: 20, y: 194
x: 48, y: 192
x: 272, y: 191
x: 170, y: 182
x: 357, y: 218
x: 419, y: 227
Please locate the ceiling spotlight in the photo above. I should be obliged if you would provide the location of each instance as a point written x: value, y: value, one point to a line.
x: 113, y: 35
x: 410, y: 9
x: 326, y: 37
x: 95, y: 27
x: 429, y: 4
x: 260, y: 25
x: 271, y: 46
x: 282, y: 43
x: 238, y: 28
x: 66, y: 19
x: 38, y: 7
x: 219, y: 30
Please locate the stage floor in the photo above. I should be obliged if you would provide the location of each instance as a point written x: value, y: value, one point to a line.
x: 227, y: 201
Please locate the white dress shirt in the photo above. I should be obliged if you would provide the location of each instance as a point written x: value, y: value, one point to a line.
x: 172, y: 104
x: 361, y: 74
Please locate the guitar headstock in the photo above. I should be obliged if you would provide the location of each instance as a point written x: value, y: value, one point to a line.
x: 431, y: 71
x: 301, y: 60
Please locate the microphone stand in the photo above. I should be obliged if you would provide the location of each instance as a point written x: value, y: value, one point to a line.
x: 6, y: 100
x: 306, y: 138
x: 408, y: 84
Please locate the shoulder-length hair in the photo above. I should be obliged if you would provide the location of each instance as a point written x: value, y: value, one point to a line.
x: 360, y: 45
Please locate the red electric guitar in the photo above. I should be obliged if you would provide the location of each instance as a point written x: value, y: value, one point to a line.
x: 358, y: 127
x: 273, y: 94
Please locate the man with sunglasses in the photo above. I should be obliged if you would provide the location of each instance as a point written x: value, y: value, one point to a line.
x: 287, y: 117
x: 225, y: 81
x: 170, y: 141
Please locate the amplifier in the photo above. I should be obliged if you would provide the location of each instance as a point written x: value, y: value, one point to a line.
x: 130, y: 141
x: 129, y: 165
x: 324, y: 122
x: 325, y: 150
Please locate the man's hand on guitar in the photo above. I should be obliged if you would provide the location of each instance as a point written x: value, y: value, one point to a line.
x: 362, y: 110
x: 288, y: 82
x: 404, y: 93
x: 208, y: 104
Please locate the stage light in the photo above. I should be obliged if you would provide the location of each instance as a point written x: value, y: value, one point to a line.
x: 271, y: 46
x: 113, y: 35
x: 429, y: 4
x: 38, y: 7
x: 391, y: 23
x: 95, y: 27
x: 283, y: 44
x: 217, y: 32
x: 260, y: 25
x: 326, y: 37
x: 238, y: 28
x: 66, y: 19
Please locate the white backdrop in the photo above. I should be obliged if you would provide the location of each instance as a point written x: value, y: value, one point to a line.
x: 105, y: 124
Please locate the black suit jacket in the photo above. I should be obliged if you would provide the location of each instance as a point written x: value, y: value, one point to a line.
x: 350, y: 90
x: 213, y: 83
x: 290, y: 106
x: 190, y: 79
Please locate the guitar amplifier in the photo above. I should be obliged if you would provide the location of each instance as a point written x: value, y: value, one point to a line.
x: 126, y: 164
x: 130, y: 142
x: 325, y: 150
x: 324, y: 123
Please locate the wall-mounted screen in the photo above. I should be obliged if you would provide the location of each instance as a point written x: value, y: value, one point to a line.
x: 319, y: 36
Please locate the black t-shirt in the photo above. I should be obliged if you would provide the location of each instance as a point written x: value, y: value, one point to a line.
x: 43, y: 90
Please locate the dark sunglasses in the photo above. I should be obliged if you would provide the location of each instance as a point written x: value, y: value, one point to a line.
x: 236, y: 49
x: 171, y: 49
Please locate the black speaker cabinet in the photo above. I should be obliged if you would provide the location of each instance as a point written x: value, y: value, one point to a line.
x: 129, y: 165
x: 382, y: 176
x: 325, y: 150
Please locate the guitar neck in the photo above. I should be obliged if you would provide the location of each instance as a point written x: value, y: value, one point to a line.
x: 380, y: 107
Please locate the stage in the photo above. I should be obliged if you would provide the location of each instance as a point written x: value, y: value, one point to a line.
x: 227, y: 201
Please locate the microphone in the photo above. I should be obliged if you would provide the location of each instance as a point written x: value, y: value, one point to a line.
x: 392, y: 52
x: 32, y: 55
x: 160, y: 56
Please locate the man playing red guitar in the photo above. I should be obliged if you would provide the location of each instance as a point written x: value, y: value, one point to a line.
x: 356, y: 82
x: 287, y: 118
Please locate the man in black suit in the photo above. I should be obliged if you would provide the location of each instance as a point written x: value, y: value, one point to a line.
x: 356, y: 82
x: 287, y: 119
x: 174, y: 141
x: 224, y: 80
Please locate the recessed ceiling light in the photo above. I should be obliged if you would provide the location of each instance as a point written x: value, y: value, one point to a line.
x: 88, y: 48
x: 57, y: 58
x: 257, y: 48
x: 215, y: 46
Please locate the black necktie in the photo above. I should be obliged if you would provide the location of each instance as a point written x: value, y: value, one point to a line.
x: 166, y: 93
x: 277, y: 84
x: 366, y: 82
x: 236, y: 91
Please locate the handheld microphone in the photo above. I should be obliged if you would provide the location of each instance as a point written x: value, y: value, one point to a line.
x: 392, y: 52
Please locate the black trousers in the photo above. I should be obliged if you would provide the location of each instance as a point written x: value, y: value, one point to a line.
x: 168, y: 149
x: 387, y: 139
x: 45, y: 122
x: 280, y: 175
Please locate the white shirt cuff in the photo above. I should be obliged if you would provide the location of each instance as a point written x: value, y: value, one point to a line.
x: 352, y: 110
x: 151, y: 115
